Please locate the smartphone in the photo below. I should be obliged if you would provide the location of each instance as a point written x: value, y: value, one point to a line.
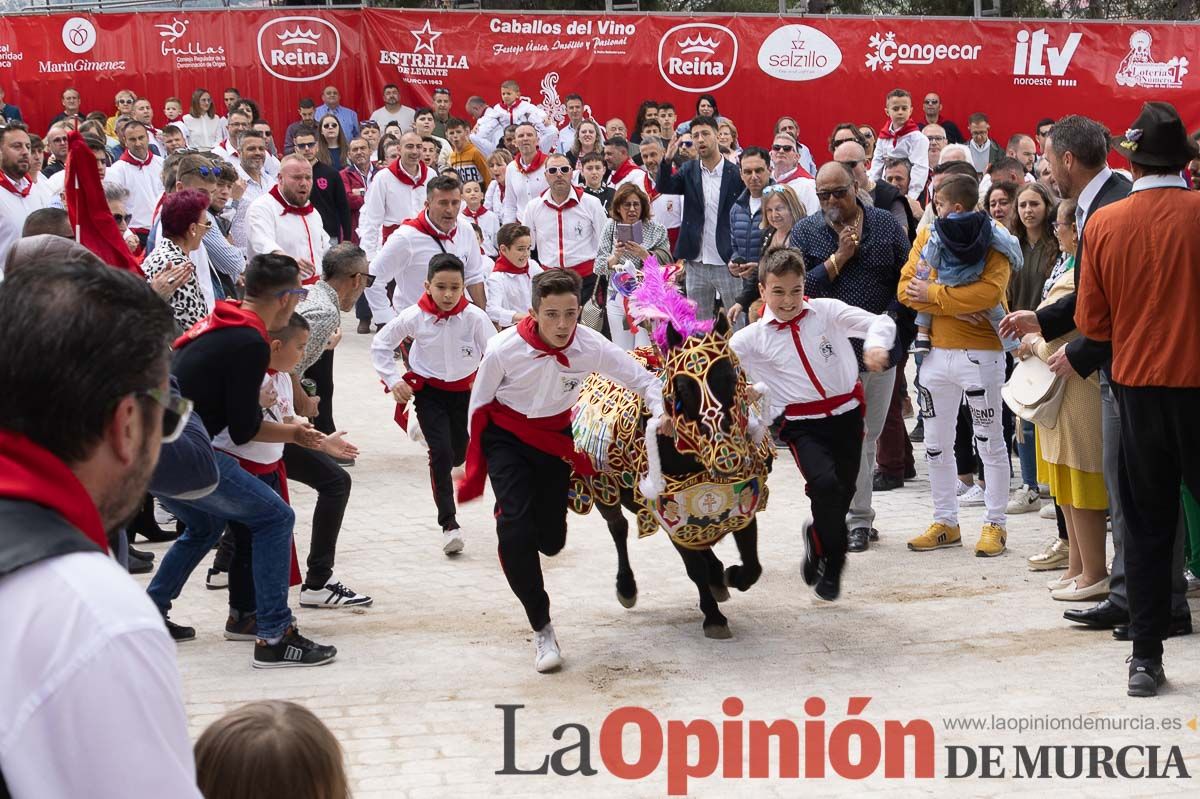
x: 630, y: 233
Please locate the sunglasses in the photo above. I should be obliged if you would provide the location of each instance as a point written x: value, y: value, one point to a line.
x: 868, y: 135
x: 266, y: 132
x: 687, y: 144
x: 176, y: 411
x: 308, y: 145
x: 833, y: 193
x: 782, y: 148
x: 932, y: 102
x: 838, y: 142
x: 123, y: 219
x: 368, y: 277
x: 557, y: 170
x: 124, y: 102
x: 301, y: 293
x: 206, y: 224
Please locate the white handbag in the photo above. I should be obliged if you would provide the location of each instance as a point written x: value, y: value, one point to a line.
x: 1035, y: 393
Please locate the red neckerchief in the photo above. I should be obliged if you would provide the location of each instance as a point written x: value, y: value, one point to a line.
x: 288, y: 208
x: 31, y: 473
x: 568, y: 203
x: 407, y: 179
x: 886, y: 131
x: 421, y: 222
x: 6, y: 183
x: 651, y: 192
x: 512, y: 119
x: 226, y: 313
x: 128, y: 158
x: 508, y: 267
x: 527, y: 329
x: 427, y: 305
x: 623, y: 170
x: 798, y: 172
x: 539, y: 158
x: 469, y: 214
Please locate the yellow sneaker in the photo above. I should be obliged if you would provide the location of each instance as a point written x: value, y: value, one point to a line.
x: 938, y: 536
x: 991, y: 541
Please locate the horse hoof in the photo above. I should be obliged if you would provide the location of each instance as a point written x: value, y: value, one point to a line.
x: 627, y: 601
x: 719, y: 632
x: 719, y: 593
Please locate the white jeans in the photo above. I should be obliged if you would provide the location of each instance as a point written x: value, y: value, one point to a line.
x: 945, y: 376
x: 878, y: 389
x: 625, y: 339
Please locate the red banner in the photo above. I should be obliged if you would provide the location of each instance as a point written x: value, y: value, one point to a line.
x: 820, y: 70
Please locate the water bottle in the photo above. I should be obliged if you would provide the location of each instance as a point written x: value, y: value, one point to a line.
x: 922, y: 269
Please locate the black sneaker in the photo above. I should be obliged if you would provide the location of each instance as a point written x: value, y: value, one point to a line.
x: 179, y: 632
x: 139, y: 566
x: 1145, y: 676
x: 811, y: 569
x: 293, y: 649
x: 829, y: 587
x: 244, y: 629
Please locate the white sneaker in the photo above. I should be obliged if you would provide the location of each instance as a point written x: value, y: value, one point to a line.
x: 963, y: 488
x: 1047, y: 511
x: 1193, y: 583
x: 162, y: 516
x: 546, y: 657
x: 1024, y: 500
x: 452, y: 542
x: 333, y: 595
x: 972, y: 497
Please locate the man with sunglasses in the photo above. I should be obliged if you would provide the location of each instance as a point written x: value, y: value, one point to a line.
x: 785, y: 160
x: 93, y: 648
x: 220, y: 364
x: 854, y: 253
x: 566, y: 223
x: 932, y: 106
x: 56, y: 146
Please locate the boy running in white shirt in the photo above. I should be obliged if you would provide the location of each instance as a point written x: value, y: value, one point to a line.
x: 800, y: 350
x: 448, y: 335
x: 510, y: 285
x: 520, y: 417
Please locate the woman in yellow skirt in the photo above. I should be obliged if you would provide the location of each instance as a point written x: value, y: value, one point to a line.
x: 1070, y: 455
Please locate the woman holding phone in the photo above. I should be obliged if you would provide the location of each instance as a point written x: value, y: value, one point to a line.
x: 625, y: 242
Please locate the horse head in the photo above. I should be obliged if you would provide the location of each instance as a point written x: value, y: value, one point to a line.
x: 705, y: 393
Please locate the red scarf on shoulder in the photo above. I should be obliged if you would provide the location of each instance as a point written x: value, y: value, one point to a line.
x: 623, y: 170
x: 226, y: 313
x: 31, y: 473
x: 886, y: 131
x: 421, y: 222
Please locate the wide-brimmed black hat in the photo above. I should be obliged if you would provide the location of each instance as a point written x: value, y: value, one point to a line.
x: 1157, y: 138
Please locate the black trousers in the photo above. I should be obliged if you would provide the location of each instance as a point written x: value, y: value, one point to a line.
x: 827, y: 452
x: 321, y: 373
x: 443, y: 418
x: 321, y: 473
x: 1160, y: 448
x: 531, y: 514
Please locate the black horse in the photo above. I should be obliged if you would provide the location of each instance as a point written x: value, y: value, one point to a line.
x: 705, y: 394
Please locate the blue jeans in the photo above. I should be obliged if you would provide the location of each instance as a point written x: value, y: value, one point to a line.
x: 238, y: 497
x: 1027, y: 452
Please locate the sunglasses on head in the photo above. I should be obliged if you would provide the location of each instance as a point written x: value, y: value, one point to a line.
x: 202, y: 171
x: 557, y: 170
x: 441, y: 90
x: 176, y: 411
x: 834, y: 193
x: 774, y: 188
x: 782, y: 148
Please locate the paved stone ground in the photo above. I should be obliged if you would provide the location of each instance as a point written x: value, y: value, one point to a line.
x: 412, y: 694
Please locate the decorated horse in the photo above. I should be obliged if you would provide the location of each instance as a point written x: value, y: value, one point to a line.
x: 707, y: 480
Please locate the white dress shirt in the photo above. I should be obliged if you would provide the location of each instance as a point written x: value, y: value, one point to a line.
x: 536, y: 385
x: 145, y: 187
x: 447, y: 349
x: 489, y: 223
x: 14, y: 209
x: 301, y: 236
x: 519, y: 189
x: 567, y: 234
x: 239, y: 231
x: 1088, y: 196
x: 710, y: 181
x: 769, y: 354
x: 405, y: 258
x: 509, y: 294
x: 389, y: 201
x: 90, y: 664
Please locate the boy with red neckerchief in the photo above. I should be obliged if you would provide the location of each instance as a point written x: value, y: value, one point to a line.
x: 520, y: 428
x: 449, y: 336
x: 510, y: 285
x: 901, y: 137
x: 800, y: 350
x: 513, y: 109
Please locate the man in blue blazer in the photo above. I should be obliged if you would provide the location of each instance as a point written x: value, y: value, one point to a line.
x: 710, y: 186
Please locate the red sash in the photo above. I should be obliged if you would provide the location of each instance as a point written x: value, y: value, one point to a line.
x: 826, y: 406
x: 418, y: 382
x: 544, y: 434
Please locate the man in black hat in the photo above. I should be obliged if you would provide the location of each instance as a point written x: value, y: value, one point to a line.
x: 1138, y: 291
